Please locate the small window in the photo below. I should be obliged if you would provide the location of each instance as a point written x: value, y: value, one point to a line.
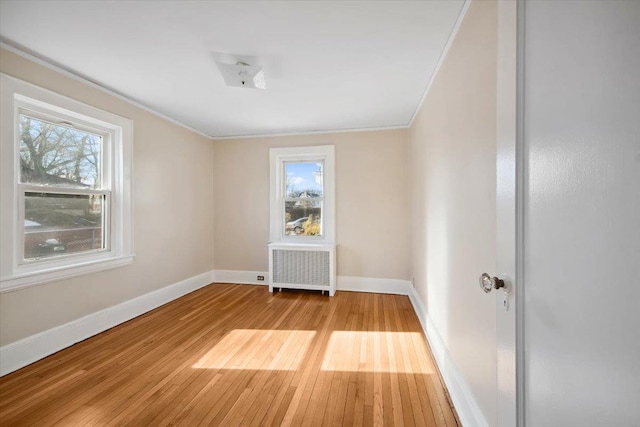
x: 66, y: 187
x: 302, y: 200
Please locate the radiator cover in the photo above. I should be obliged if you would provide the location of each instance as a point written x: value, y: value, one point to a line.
x: 302, y: 266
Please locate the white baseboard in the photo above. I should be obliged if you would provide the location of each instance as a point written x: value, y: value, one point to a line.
x: 466, y: 406
x: 31, y: 349
x: 241, y: 277
x: 343, y: 283
x: 373, y: 285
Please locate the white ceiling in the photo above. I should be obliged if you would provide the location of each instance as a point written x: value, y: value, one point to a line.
x: 328, y: 65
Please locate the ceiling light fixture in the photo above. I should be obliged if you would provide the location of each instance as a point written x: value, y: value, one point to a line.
x: 242, y: 74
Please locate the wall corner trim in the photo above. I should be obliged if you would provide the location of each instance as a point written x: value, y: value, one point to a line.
x: 465, y: 404
x: 21, y: 353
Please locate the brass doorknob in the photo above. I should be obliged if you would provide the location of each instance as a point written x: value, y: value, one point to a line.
x: 487, y: 282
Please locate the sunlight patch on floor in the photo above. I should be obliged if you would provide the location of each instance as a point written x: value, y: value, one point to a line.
x: 258, y: 349
x: 374, y: 351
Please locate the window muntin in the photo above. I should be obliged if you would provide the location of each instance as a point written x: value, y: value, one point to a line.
x: 303, y: 201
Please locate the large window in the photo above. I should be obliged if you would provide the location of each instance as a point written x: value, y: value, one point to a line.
x: 66, y: 199
x: 61, y: 191
x: 302, y: 200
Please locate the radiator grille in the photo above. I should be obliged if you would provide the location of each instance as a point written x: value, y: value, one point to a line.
x: 301, y: 267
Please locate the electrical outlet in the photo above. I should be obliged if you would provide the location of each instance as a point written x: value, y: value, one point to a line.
x: 261, y: 278
x: 413, y: 282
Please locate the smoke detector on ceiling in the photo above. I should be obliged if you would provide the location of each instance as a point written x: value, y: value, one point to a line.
x: 242, y: 74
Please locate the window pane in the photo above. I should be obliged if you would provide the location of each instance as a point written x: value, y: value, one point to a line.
x: 57, y: 155
x: 303, y: 218
x: 59, y: 224
x: 304, y: 179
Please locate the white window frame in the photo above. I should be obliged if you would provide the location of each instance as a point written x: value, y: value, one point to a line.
x: 278, y: 158
x: 19, y: 97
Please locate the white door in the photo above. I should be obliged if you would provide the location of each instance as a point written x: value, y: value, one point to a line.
x: 581, y: 105
x: 577, y: 218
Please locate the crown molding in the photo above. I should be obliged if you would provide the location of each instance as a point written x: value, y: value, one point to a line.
x: 59, y: 68
x: 443, y: 55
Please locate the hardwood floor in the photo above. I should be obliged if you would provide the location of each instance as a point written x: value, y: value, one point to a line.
x: 237, y: 355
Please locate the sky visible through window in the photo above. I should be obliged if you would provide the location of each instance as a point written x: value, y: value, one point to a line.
x: 304, y: 176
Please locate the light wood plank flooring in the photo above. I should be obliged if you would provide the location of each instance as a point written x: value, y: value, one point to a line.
x: 237, y: 355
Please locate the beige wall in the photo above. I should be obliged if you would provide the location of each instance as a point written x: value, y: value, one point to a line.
x: 372, y: 227
x: 417, y: 202
x: 173, y: 228
x: 452, y: 157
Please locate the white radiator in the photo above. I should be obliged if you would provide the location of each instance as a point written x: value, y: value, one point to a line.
x: 302, y: 266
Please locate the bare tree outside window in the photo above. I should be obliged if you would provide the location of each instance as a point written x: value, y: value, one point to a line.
x: 58, y: 155
x: 55, y: 158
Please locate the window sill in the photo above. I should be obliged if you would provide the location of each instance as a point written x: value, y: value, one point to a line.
x: 306, y: 245
x: 304, y: 239
x: 25, y: 280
